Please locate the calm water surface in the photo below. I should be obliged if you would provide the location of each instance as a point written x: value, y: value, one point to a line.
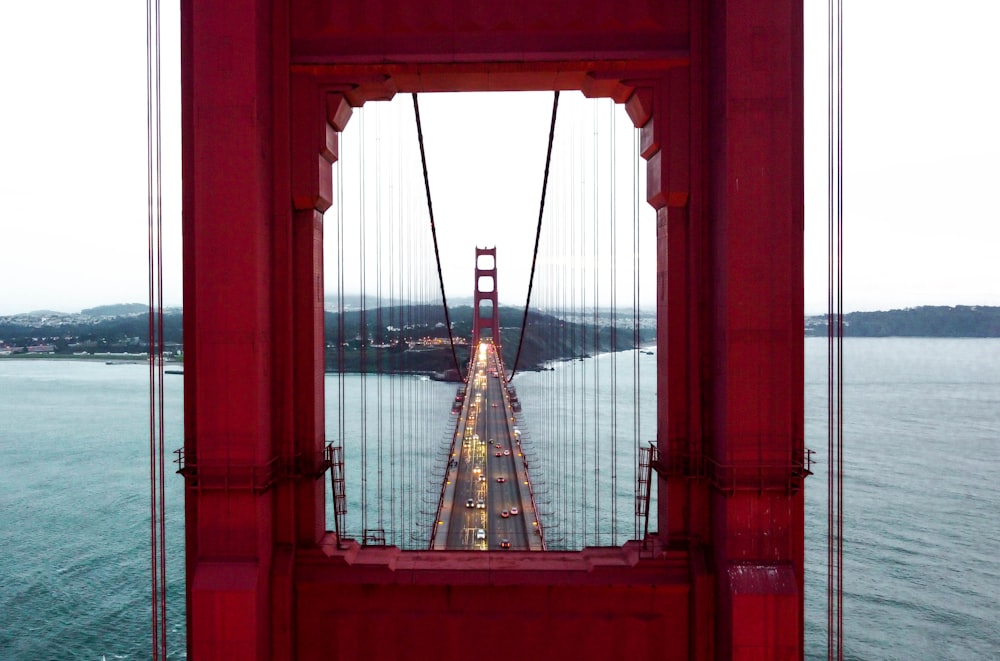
x: 922, y: 437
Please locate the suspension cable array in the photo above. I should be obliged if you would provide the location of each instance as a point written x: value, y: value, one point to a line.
x: 577, y: 404
x: 835, y: 335
x: 154, y: 164
x: 388, y: 419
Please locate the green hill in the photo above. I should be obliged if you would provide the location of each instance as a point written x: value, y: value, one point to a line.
x: 924, y: 321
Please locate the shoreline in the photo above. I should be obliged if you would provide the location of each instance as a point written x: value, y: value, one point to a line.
x: 116, y: 358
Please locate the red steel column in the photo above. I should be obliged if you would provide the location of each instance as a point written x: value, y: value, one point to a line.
x: 314, y: 149
x: 755, y: 141
x: 237, y: 248
x: 668, y: 111
x: 258, y: 149
x: 723, y: 140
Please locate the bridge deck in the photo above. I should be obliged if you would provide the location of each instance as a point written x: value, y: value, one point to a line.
x: 487, y: 475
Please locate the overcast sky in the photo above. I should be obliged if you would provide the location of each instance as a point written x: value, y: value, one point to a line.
x: 921, y: 156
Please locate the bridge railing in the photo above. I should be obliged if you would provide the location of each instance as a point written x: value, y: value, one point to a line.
x: 223, y: 474
x: 456, y: 434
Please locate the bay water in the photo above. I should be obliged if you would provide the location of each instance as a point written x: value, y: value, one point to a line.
x: 921, y: 462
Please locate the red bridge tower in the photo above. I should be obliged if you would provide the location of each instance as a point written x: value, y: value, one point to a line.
x: 715, y: 87
x: 486, y: 313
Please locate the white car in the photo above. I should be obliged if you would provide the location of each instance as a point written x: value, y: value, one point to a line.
x: 480, y: 504
x: 480, y: 535
x: 513, y: 511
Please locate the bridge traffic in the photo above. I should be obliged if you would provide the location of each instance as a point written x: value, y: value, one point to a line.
x: 487, y: 499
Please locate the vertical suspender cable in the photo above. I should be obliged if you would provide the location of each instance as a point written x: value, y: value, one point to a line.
x: 830, y: 330
x: 613, y: 283
x: 406, y: 316
x: 154, y: 163
x: 414, y: 292
x: 570, y: 518
x: 635, y: 317
x: 379, y: 321
x: 405, y: 276
x: 569, y: 336
x: 363, y: 327
x: 341, y: 376
x: 395, y: 363
x: 584, y: 339
x: 835, y: 333
x: 840, y: 333
x: 596, y: 402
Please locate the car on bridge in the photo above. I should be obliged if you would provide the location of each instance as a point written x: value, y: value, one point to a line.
x: 480, y: 535
x: 501, y: 479
x: 469, y: 503
x: 505, y: 543
x: 513, y: 511
x: 504, y: 514
x: 480, y: 504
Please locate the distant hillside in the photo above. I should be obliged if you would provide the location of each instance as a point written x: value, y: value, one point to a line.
x: 411, y: 338
x: 924, y: 321
x: 85, y: 333
x: 116, y: 310
x: 391, y: 332
x: 390, y: 339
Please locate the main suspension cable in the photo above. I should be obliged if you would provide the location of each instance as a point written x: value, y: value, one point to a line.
x: 538, y: 231
x: 437, y: 254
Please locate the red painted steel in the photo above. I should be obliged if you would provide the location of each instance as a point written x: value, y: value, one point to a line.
x: 486, y: 291
x: 716, y: 88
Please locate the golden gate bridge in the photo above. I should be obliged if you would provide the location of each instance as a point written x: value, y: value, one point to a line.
x: 715, y: 93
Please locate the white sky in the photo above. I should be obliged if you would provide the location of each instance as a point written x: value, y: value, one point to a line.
x: 921, y: 156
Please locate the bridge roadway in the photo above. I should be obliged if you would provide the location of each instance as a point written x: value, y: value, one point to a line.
x: 487, y: 475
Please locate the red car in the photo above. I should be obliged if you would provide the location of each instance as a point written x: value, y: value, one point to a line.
x: 504, y: 514
x: 505, y: 543
x: 496, y: 454
x: 501, y: 479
